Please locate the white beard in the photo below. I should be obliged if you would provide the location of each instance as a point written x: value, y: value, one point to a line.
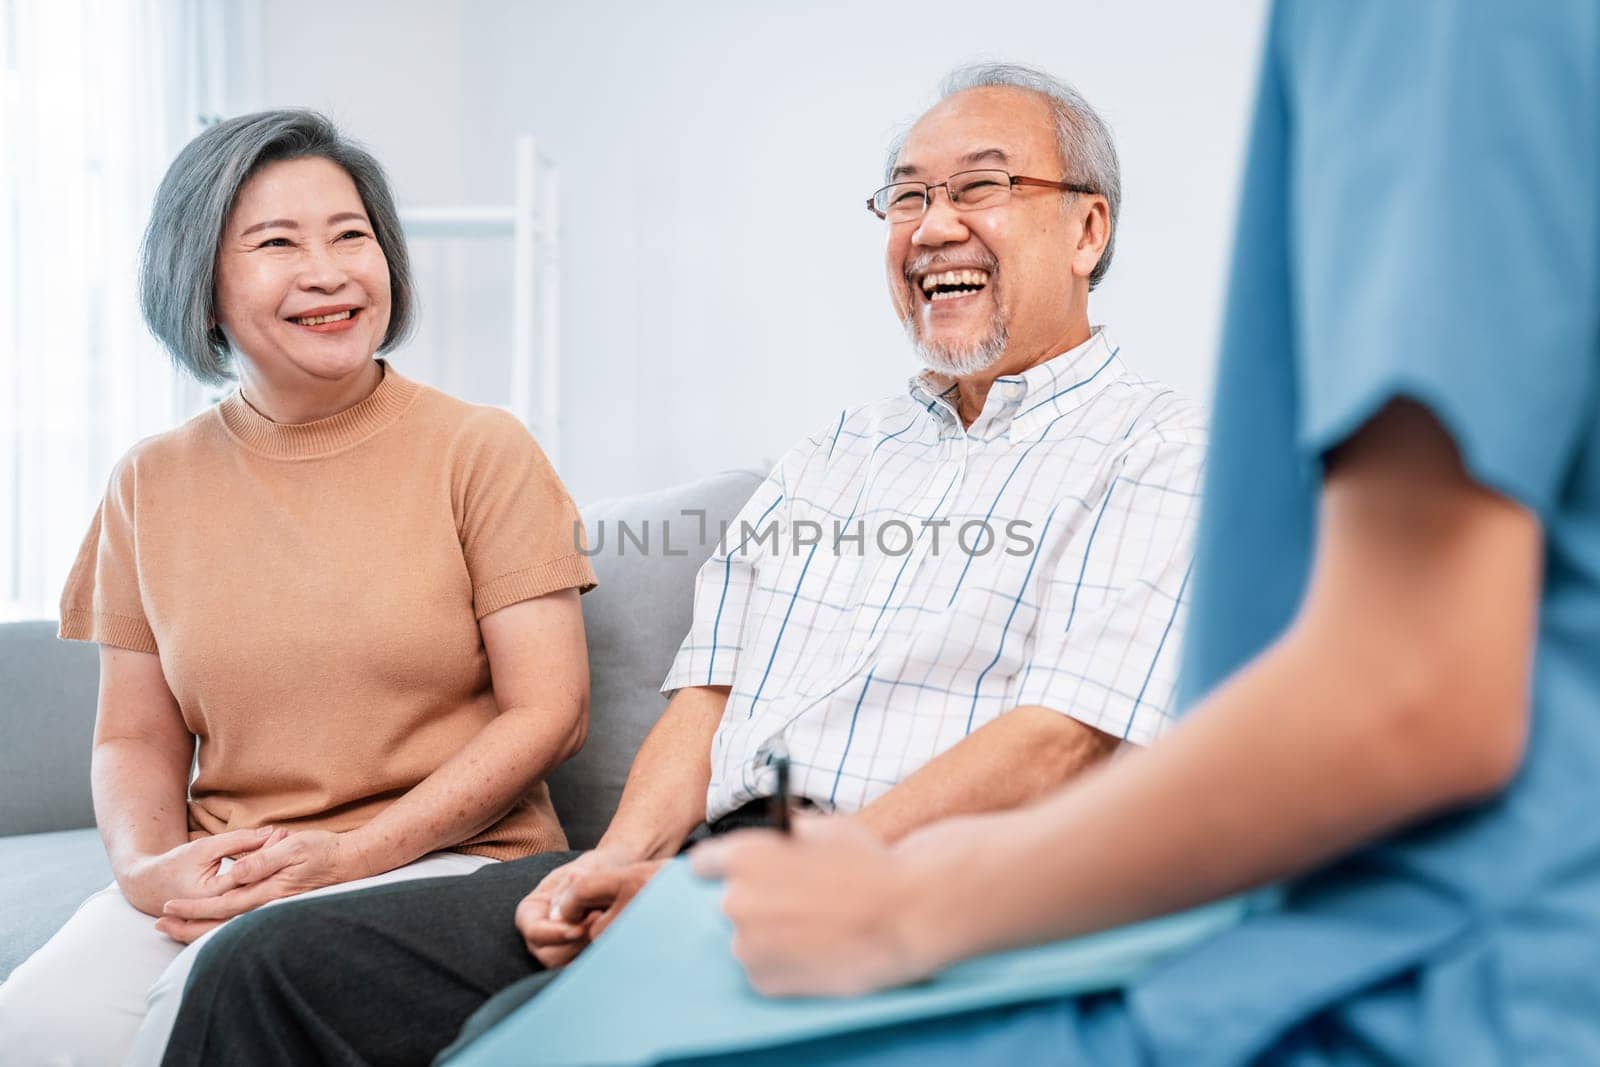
x: 961, y: 362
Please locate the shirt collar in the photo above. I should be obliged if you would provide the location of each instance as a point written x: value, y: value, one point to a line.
x: 1024, y: 403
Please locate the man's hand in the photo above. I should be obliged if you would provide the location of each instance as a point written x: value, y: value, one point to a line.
x: 825, y: 911
x: 575, y: 903
x: 289, y: 864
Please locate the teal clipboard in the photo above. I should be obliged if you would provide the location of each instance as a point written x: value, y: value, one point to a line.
x: 663, y: 985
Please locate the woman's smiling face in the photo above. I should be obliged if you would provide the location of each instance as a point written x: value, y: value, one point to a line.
x: 302, y: 285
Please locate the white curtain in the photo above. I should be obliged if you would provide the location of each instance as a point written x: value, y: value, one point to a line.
x: 98, y: 97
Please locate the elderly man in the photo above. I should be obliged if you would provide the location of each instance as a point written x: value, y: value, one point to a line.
x: 1390, y: 698
x: 946, y: 602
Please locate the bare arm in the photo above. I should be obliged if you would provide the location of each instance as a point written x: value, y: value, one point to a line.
x: 1018, y: 757
x: 1400, y: 691
x: 665, y: 795
x: 139, y: 774
x: 539, y: 664
x: 663, y: 801
x: 139, y: 769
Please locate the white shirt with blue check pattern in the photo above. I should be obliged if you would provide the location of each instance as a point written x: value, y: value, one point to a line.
x: 854, y: 611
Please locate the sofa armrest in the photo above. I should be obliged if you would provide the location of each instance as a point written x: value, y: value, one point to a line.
x: 46, y: 727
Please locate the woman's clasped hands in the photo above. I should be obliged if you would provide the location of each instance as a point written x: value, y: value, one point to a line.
x: 268, y: 864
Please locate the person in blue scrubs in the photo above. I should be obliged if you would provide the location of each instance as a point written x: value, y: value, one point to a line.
x: 1393, y: 666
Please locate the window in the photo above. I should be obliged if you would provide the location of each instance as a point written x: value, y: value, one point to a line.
x: 97, y: 97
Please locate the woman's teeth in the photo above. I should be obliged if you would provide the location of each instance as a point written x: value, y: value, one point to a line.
x: 318, y: 320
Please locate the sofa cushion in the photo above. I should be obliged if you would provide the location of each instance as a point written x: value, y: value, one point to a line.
x: 635, y: 621
x: 43, y: 879
x: 46, y: 724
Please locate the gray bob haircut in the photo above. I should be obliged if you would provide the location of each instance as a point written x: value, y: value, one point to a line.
x: 178, y: 260
x: 1088, y: 154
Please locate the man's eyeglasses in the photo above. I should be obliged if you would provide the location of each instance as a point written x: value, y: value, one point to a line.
x: 968, y: 191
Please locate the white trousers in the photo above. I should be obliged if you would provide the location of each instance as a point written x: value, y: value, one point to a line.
x: 105, y: 989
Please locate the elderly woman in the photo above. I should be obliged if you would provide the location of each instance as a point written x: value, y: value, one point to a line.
x: 358, y: 596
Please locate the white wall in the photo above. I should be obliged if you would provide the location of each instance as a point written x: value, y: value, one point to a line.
x: 700, y: 331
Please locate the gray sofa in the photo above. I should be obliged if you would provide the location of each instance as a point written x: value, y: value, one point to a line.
x: 50, y: 854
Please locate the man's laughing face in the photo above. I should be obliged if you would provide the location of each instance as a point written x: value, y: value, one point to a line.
x: 972, y: 286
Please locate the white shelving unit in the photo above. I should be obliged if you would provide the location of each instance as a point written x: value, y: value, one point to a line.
x: 533, y: 223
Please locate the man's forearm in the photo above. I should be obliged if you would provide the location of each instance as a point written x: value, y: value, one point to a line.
x: 665, y: 796
x: 1242, y: 795
x: 1023, y: 754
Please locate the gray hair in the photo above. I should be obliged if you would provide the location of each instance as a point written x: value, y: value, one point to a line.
x: 1088, y: 154
x: 178, y: 260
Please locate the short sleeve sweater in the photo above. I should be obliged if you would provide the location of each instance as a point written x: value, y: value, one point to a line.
x: 314, y: 591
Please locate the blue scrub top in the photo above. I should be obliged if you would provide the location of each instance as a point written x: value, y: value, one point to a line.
x: 1420, y: 219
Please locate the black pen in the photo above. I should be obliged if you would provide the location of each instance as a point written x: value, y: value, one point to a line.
x: 778, y: 803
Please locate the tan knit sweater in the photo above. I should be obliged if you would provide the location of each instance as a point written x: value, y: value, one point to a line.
x: 314, y: 593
